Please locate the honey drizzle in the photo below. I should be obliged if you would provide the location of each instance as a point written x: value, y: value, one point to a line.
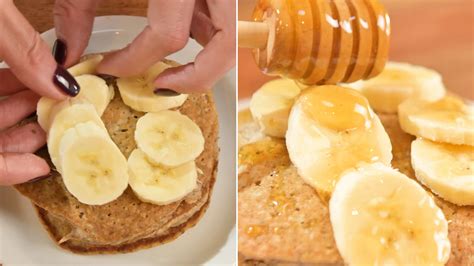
x: 256, y: 230
x: 281, y: 204
x: 257, y: 152
x: 278, y: 199
x: 336, y: 107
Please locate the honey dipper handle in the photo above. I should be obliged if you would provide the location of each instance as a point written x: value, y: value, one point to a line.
x: 253, y: 34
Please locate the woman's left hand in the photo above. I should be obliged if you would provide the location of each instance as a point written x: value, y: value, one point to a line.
x: 18, y: 164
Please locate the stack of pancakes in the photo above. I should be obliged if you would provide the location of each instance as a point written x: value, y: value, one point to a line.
x: 283, y: 221
x: 127, y: 224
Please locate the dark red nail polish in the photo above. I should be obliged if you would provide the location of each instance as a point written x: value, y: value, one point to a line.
x: 32, y: 115
x: 66, y: 81
x: 166, y: 92
x: 38, y: 178
x: 106, y: 76
x: 60, y: 51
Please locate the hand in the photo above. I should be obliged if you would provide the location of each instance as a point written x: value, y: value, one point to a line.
x: 18, y: 164
x: 29, y: 57
x: 211, y: 23
x: 31, y: 66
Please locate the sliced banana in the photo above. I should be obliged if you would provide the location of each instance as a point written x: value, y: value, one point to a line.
x: 158, y: 184
x: 332, y: 129
x: 43, y: 110
x: 88, y: 66
x: 381, y: 217
x: 398, y: 82
x: 93, y: 90
x: 137, y: 92
x: 271, y: 105
x: 111, y: 92
x: 447, y: 120
x: 448, y: 170
x: 169, y: 138
x: 94, y: 170
x: 68, y: 115
x: 302, y: 86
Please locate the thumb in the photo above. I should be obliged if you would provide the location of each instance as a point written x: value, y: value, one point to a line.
x: 29, y: 57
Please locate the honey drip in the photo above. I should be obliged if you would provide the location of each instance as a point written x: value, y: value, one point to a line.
x: 278, y: 200
x: 336, y: 107
x: 261, y: 157
x: 345, y: 113
x: 256, y: 230
x: 258, y: 152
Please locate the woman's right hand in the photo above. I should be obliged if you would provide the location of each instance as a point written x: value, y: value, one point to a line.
x: 170, y: 23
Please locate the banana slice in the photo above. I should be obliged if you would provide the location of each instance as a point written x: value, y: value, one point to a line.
x: 271, y: 105
x: 93, y: 168
x: 169, y: 138
x: 93, y: 90
x: 302, y: 86
x: 43, y: 110
x: 448, y: 170
x: 158, y: 184
x: 330, y: 130
x: 381, y: 217
x: 137, y: 92
x: 68, y: 115
x: 88, y: 66
x: 398, y: 82
x: 446, y: 120
x: 111, y: 92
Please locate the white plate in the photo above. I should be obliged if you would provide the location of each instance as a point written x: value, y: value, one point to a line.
x: 211, y: 241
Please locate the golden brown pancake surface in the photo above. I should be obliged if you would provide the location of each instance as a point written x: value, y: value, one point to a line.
x: 128, y: 220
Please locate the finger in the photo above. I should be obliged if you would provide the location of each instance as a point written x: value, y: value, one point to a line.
x: 25, y: 139
x: 9, y: 84
x: 202, y: 28
x: 16, y: 107
x: 217, y: 57
x: 16, y: 168
x: 73, y: 21
x: 167, y: 32
x: 29, y: 57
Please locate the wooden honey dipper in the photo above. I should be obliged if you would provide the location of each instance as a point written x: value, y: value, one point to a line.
x: 318, y: 41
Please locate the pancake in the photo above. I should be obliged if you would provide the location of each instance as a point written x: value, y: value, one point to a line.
x: 57, y: 229
x: 127, y: 224
x: 282, y: 221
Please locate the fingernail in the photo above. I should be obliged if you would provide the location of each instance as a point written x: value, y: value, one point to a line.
x: 106, y: 76
x: 166, y: 92
x: 66, y: 81
x: 32, y: 115
x: 60, y: 51
x: 38, y: 178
